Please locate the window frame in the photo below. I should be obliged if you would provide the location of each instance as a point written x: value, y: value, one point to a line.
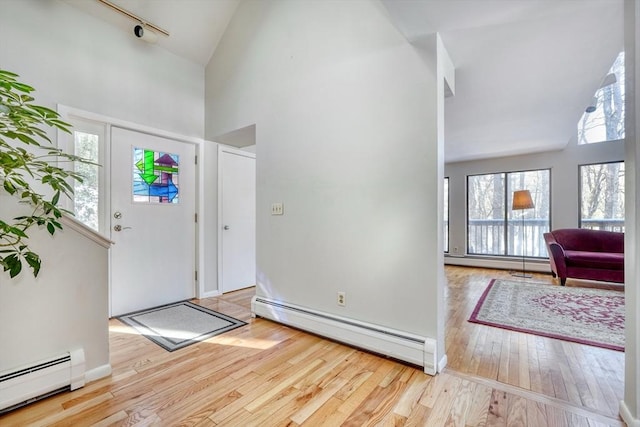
x: 505, y: 213
x: 580, y: 189
x: 446, y: 215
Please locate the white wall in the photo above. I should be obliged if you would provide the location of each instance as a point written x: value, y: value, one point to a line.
x: 74, y: 59
x: 64, y: 308
x: 345, y: 115
x: 630, y: 406
x: 564, y: 185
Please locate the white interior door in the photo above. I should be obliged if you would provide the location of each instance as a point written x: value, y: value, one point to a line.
x: 152, y: 221
x: 237, y: 177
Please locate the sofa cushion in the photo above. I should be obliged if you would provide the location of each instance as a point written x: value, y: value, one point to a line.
x: 582, y: 239
x: 604, y: 260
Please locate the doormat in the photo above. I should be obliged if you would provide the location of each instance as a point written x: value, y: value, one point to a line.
x: 177, y: 325
x: 583, y: 315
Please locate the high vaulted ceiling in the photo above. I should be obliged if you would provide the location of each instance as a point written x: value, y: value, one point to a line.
x: 525, y: 69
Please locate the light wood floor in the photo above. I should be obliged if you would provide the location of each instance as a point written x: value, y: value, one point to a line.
x: 271, y: 375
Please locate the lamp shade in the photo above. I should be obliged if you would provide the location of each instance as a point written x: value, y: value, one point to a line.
x: 522, y: 200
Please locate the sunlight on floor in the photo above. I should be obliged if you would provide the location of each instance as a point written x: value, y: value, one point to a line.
x: 231, y: 341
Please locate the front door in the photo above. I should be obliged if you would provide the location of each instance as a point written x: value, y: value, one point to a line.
x: 151, y: 221
x: 237, y: 174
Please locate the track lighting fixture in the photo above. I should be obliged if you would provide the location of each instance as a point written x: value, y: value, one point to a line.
x: 145, y: 34
x: 143, y: 29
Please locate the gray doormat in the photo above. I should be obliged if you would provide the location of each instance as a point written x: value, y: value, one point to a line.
x: 177, y: 325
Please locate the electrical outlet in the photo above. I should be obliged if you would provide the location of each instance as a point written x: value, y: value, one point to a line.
x: 277, y: 209
x: 342, y: 299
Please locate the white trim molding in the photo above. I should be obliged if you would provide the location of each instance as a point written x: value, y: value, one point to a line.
x: 627, y: 417
x: 88, y: 232
x: 97, y: 373
x: 400, y: 345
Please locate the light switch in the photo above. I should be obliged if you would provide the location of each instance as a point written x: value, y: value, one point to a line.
x: 277, y: 209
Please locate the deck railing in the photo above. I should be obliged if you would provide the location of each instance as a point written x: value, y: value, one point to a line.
x: 486, y: 236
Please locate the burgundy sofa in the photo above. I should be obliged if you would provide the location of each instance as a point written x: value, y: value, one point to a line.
x: 586, y: 254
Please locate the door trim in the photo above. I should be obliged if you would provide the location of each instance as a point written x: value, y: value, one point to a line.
x: 200, y: 227
x: 232, y: 150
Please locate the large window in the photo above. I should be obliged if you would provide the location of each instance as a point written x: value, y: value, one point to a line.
x: 493, y: 228
x: 446, y: 215
x: 602, y: 196
x: 603, y: 119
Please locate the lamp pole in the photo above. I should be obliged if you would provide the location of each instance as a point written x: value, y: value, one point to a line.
x: 521, y: 201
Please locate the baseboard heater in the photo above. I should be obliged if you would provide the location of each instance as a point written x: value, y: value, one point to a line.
x: 29, y: 383
x: 400, y: 345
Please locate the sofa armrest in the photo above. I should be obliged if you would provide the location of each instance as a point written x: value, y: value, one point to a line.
x: 556, y: 256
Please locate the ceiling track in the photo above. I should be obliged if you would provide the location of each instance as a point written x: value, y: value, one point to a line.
x: 135, y: 17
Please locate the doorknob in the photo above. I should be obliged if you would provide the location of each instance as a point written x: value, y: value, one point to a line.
x: 226, y: 227
x: 118, y: 227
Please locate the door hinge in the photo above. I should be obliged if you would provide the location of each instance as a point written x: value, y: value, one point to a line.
x: 196, y: 159
x: 196, y: 217
x: 196, y: 275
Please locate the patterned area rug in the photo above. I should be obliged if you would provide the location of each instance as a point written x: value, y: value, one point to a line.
x: 178, y: 325
x: 583, y: 315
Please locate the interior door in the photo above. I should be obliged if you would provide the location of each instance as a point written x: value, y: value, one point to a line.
x: 237, y: 174
x: 152, y: 221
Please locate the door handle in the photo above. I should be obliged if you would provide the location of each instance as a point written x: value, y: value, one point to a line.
x: 118, y: 227
x: 226, y: 227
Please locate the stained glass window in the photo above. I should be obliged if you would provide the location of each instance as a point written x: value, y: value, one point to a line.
x: 155, y: 176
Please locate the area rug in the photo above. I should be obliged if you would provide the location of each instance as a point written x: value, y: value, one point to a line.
x: 174, y: 326
x: 583, y: 315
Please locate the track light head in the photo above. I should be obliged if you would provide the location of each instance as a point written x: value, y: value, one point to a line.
x: 145, y: 34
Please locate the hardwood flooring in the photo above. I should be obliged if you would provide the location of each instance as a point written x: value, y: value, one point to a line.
x: 270, y: 375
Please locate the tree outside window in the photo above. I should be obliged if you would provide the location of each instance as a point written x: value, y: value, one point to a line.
x: 602, y: 196
x: 86, y: 193
x: 604, y: 118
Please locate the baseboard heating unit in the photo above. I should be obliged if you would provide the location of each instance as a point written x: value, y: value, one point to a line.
x: 400, y: 345
x: 29, y: 383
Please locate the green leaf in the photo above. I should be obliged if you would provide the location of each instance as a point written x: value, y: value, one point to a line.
x: 15, y: 269
x: 51, y: 229
x: 34, y: 262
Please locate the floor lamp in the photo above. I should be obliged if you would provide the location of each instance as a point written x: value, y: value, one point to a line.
x: 521, y: 201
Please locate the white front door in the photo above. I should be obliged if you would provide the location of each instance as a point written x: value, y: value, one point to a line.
x: 237, y: 175
x: 151, y: 221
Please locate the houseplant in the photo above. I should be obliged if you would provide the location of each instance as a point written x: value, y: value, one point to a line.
x: 28, y: 158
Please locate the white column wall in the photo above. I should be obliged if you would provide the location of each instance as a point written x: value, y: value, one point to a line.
x: 346, y: 137
x: 630, y: 406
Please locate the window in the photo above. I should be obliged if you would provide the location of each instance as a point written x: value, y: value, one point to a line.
x: 603, y: 120
x: 446, y: 215
x: 602, y: 196
x: 87, y: 203
x: 493, y: 228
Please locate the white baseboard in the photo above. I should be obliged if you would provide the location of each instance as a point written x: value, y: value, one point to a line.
x: 210, y: 294
x: 537, y: 266
x: 443, y: 363
x: 400, y: 345
x: 97, y: 373
x: 626, y: 416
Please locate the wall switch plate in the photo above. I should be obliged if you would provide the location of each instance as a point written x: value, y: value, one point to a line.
x: 277, y: 209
